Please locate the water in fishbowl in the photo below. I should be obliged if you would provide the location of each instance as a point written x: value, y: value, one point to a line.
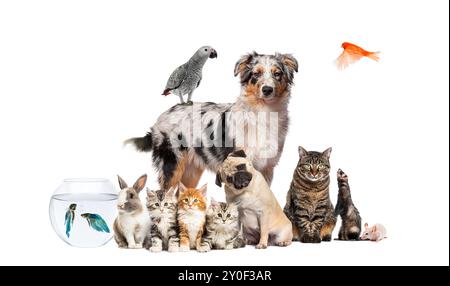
x: 84, y: 220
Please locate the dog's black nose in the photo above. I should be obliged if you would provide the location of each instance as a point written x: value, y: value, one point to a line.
x: 267, y: 90
x: 242, y: 179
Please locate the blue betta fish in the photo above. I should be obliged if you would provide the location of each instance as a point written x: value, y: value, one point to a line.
x: 69, y: 218
x: 96, y: 222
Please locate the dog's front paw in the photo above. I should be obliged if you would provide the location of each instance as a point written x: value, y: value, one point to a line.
x: 184, y: 248
x: 284, y: 243
x: 156, y: 249
x: 261, y: 246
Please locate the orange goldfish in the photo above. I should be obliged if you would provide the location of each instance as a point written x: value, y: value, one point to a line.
x: 352, y: 53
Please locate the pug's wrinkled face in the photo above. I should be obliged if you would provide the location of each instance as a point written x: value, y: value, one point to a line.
x: 236, y: 173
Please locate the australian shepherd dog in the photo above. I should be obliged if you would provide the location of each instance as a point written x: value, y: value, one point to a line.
x: 186, y: 140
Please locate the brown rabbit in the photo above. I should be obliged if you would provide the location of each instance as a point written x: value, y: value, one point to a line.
x: 132, y: 225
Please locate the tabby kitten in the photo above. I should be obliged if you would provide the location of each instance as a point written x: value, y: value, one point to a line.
x: 308, y: 203
x: 351, y: 220
x: 191, y: 216
x: 223, y: 229
x: 162, y: 207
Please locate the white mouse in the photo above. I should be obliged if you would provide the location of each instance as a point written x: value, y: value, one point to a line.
x: 374, y: 233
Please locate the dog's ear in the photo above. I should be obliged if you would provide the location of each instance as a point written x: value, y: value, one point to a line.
x: 239, y: 153
x: 243, y: 66
x: 290, y: 64
x: 218, y: 180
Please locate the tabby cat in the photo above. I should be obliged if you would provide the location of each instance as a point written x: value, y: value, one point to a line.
x: 223, y: 229
x: 351, y: 220
x: 308, y: 203
x: 162, y: 207
x: 191, y: 216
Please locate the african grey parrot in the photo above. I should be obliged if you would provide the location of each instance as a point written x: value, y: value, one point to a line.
x: 186, y: 78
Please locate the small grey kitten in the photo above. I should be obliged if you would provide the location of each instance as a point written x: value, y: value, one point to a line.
x: 162, y: 207
x: 223, y: 229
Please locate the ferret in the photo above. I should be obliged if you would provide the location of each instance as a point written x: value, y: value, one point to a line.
x: 351, y: 220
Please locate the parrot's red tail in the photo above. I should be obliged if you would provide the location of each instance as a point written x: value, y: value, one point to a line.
x: 166, y: 92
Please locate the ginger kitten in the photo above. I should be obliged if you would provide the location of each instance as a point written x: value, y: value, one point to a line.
x: 191, y: 216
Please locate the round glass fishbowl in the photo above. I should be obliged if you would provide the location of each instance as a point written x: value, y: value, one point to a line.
x: 82, y: 211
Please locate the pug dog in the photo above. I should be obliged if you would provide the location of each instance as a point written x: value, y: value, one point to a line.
x: 263, y: 220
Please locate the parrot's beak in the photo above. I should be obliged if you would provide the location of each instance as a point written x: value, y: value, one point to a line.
x: 213, y: 54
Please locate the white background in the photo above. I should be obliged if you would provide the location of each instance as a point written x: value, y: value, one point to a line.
x: 79, y: 77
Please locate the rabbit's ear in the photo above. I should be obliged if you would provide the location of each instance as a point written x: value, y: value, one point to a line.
x: 140, y: 183
x: 366, y: 225
x: 374, y: 228
x: 122, y: 183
